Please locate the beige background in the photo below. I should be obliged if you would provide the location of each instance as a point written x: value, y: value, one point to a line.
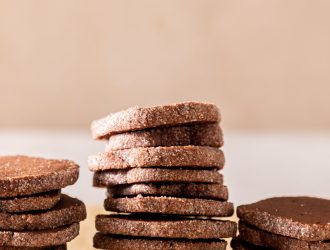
x: 66, y: 62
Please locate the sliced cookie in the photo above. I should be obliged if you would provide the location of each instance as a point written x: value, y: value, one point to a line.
x: 304, y: 218
x: 167, y: 227
x: 238, y: 244
x: 36, y: 202
x: 67, y: 211
x: 186, y: 190
x: 41, y: 238
x: 197, y: 135
x: 22, y: 175
x: 116, y: 242
x: 140, y: 175
x: 275, y: 241
x: 170, y: 205
x: 137, y: 118
x: 61, y: 247
x: 177, y: 156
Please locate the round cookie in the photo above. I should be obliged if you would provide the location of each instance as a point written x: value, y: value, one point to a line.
x: 41, y: 238
x: 238, y: 244
x: 115, y: 242
x: 185, y: 190
x: 303, y: 218
x: 274, y: 241
x: 167, y: 227
x: 36, y: 202
x: 197, y: 135
x: 171, y: 157
x: 170, y: 205
x: 67, y: 211
x: 137, y: 118
x: 23, y: 175
x: 140, y: 175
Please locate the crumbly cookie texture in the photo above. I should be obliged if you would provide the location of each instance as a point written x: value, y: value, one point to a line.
x: 140, y: 175
x: 67, y: 211
x: 208, y: 134
x: 170, y: 205
x: 304, y: 218
x: 37, y: 202
x: 171, y: 157
x: 41, y: 238
x: 137, y: 118
x: 23, y: 175
x: 115, y: 242
x: 165, y: 227
x: 262, y: 238
x: 183, y: 190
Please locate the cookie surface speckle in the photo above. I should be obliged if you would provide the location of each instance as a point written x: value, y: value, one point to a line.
x: 193, y: 135
x: 141, y: 175
x: 67, y: 211
x: 23, y: 175
x: 170, y: 205
x: 304, y: 218
x: 165, y: 227
x: 176, y: 156
x: 137, y: 118
x: 43, y: 201
x: 115, y: 242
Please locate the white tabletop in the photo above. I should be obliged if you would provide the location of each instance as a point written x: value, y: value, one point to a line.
x: 258, y: 165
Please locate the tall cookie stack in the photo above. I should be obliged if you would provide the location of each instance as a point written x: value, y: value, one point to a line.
x: 33, y: 212
x: 160, y: 169
x: 284, y: 223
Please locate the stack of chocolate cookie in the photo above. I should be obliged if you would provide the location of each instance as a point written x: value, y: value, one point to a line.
x: 284, y: 223
x: 160, y: 169
x: 33, y: 212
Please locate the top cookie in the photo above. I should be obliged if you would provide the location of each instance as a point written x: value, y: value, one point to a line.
x: 137, y: 118
x: 303, y: 218
x: 23, y: 175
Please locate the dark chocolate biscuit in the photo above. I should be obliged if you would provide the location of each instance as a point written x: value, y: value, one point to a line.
x: 304, y: 218
x: 43, y: 201
x: 177, y: 156
x: 116, y: 242
x: 141, y: 175
x: 67, y: 211
x: 186, y: 190
x: 197, y: 135
x: 170, y: 205
x: 238, y: 244
x: 40, y: 238
x: 259, y: 237
x: 137, y: 118
x: 61, y: 247
x: 22, y: 175
x: 166, y: 227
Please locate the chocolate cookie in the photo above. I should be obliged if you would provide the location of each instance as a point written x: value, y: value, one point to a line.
x: 43, y: 201
x: 170, y: 205
x: 137, y: 118
x: 304, y: 218
x: 263, y: 238
x: 197, y: 135
x: 140, y: 175
x: 177, y: 156
x: 167, y: 227
x: 238, y: 244
x: 116, y: 242
x: 61, y: 247
x: 67, y: 211
x: 186, y: 190
x: 42, y: 238
x: 22, y: 175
